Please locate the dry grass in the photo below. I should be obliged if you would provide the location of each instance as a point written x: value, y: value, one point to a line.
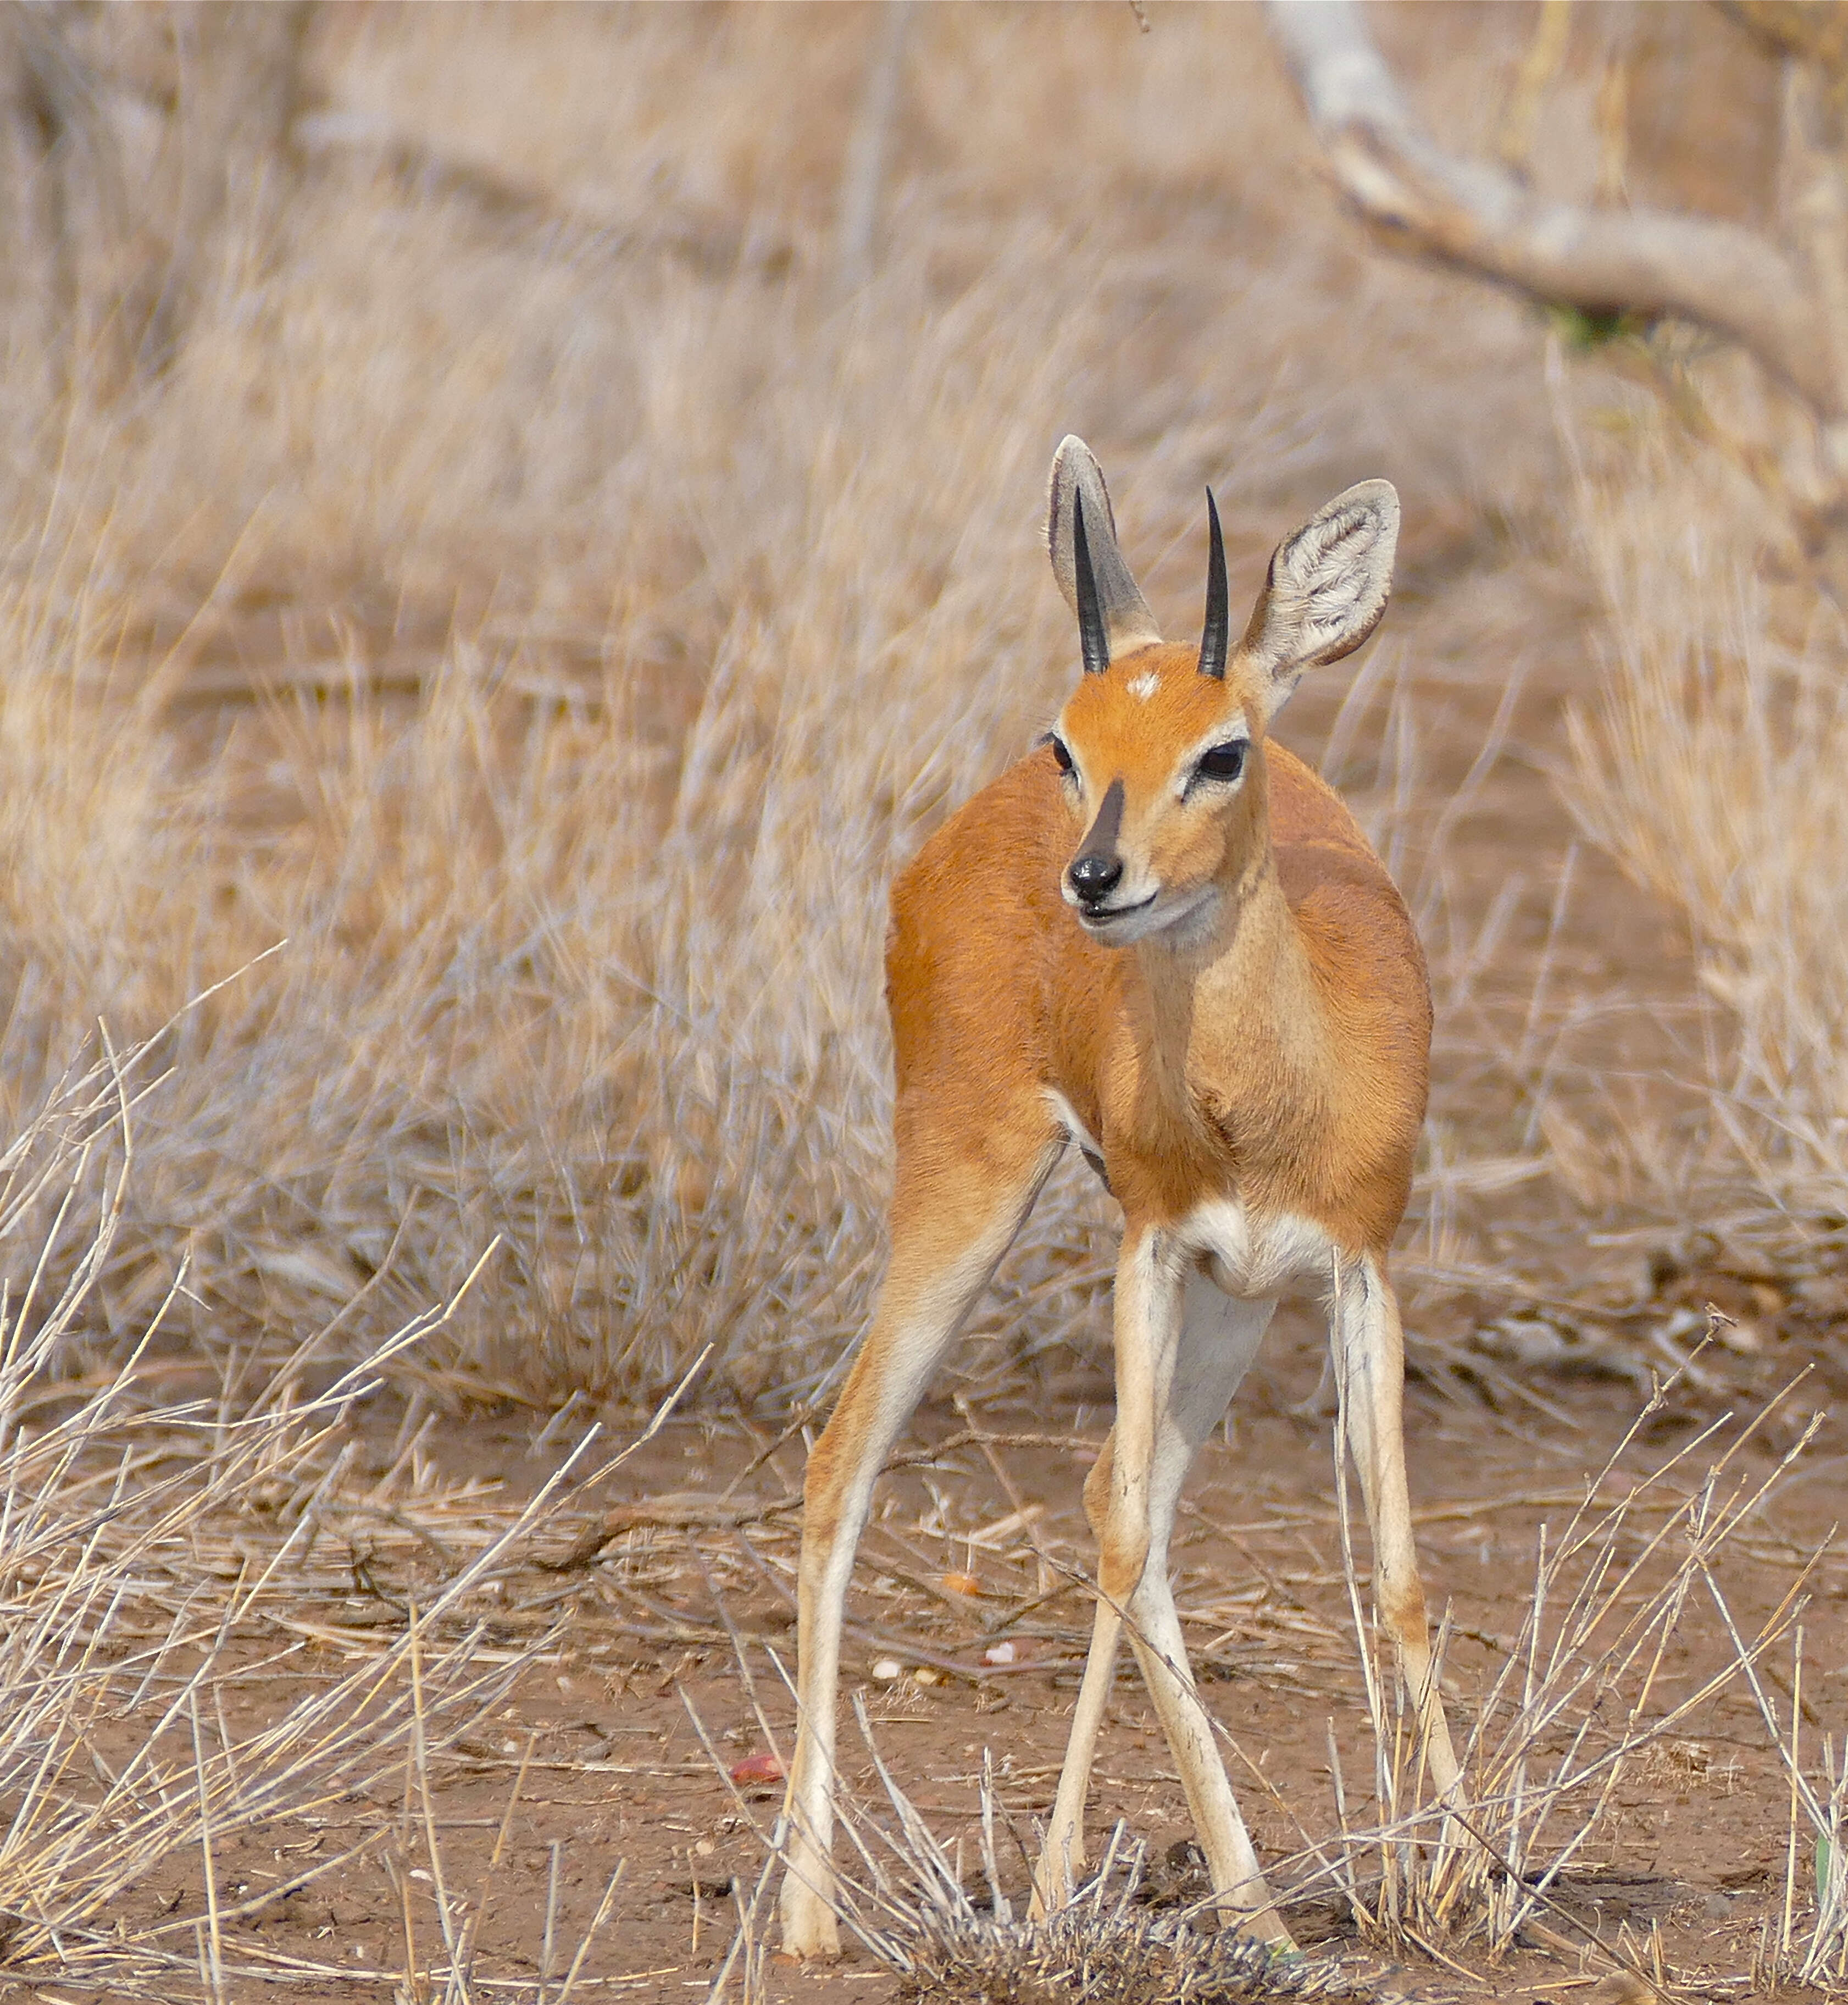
x: 1576, y: 1705
x: 1809, y: 1943
x: 524, y: 585
x: 1706, y: 759
x: 496, y: 556
x: 1594, y: 1691
x: 1709, y: 764
x: 158, y: 1572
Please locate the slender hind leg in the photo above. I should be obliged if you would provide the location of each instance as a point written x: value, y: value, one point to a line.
x: 1369, y: 1349
x: 1198, y: 1369
x: 952, y: 1218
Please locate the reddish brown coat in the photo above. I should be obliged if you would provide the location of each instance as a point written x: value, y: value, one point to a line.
x: 998, y: 994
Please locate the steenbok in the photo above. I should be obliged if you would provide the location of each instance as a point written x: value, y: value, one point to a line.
x: 1161, y: 937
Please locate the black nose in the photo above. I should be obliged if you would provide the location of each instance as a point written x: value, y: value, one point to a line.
x: 1095, y: 877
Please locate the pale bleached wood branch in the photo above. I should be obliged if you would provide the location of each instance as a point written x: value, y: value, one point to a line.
x: 1478, y: 215
x: 1814, y: 33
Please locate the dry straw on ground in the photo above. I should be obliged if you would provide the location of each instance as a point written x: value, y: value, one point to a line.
x: 159, y: 1578
x: 1595, y: 1686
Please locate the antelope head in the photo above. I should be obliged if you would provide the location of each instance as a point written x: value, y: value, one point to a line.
x: 1160, y: 748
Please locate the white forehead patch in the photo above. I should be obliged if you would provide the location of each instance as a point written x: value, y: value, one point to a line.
x: 1144, y: 685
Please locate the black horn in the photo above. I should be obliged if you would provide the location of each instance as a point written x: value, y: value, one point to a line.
x: 1093, y: 637
x: 1217, y: 635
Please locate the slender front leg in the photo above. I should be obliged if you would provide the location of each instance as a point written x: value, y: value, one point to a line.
x: 950, y: 1225
x: 1369, y: 1349
x: 1200, y: 1345
x: 1062, y: 1855
x: 1148, y: 1327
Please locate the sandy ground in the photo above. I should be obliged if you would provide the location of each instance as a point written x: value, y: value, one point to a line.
x: 595, y: 1759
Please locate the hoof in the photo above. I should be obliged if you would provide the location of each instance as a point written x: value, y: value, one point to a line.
x: 809, y: 1928
x: 1265, y: 1926
x: 1055, y: 1877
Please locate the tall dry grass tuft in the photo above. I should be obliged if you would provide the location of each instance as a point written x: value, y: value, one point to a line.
x: 1709, y: 764
x: 1582, y: 1695
x: 592, y: 965
x: 156, y: 1556
x: 1815, y: 1889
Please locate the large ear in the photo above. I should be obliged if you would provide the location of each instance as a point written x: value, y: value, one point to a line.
x: 1328, y: 587
x: 1127, y: 623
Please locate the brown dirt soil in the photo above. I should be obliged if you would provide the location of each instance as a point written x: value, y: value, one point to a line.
x: 594, y: 1758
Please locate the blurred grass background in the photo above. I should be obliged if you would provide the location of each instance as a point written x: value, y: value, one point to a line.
x: 471, y: 521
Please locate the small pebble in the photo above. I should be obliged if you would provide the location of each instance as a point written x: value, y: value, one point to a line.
x: 756, y: 1771
x: 886, y: 1669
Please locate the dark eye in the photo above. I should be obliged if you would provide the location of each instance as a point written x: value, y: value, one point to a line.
x: 1060, y: 755
x: 1223, y: 762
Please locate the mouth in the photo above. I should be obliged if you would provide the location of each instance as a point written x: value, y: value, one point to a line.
x: 1100, y: 918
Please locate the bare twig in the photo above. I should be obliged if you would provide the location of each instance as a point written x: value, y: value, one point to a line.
x: 1480, y: 216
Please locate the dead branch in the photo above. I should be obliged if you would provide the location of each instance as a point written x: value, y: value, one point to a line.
x: 1799, y: 28
x: 689, y: 1510
x: 695, y: 1511
x: 1478, y: 215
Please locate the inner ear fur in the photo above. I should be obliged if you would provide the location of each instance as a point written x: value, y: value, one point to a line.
x: 1328, y: 587
x: 1127, y: 621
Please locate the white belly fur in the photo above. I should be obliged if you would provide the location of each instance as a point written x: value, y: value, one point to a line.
x: 1250, y: 1261
x: 1250, y: 1257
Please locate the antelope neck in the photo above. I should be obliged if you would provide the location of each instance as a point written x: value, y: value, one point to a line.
x: 1242, y: 1002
